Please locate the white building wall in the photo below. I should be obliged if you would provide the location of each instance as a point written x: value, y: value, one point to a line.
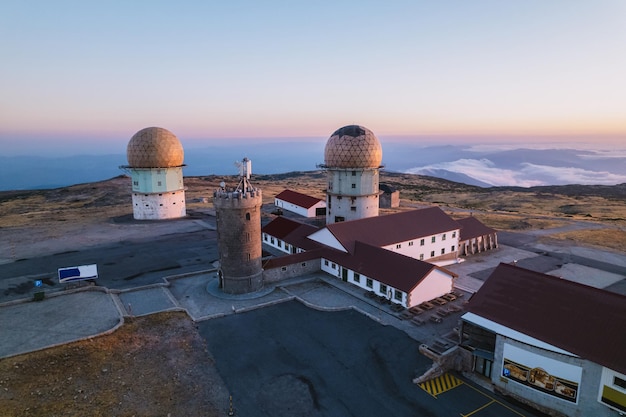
x: 324, y: 237
x: 285, y: 205
x: 423, y: 248
x: 436, y: 284
x: 352, y: 194
x: 294, y: 208
x: 159, y: 206
x: 589, y: 379
x: 277, y: 243
x: 608, y: 381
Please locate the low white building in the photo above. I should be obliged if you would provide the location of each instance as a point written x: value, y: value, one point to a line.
x: 288, y: 235
x: 555, y: 344
x: 427, y: 234
x: 299, y: 203
x: 402, y: 280
x: 374, y: 253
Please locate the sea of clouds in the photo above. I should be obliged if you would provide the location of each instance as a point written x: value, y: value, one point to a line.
x: 481, y: 165
x: 527, y: 167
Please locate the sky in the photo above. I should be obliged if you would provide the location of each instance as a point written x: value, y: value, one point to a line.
x: 84, y: 76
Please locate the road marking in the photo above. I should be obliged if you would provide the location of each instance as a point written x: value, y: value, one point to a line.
x: 440, y: 384
x: 493, y: 400
x: 479, y: 408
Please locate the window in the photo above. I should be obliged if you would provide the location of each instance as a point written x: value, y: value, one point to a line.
x: 303, y: 264
x: 398, y: 246
x: 453, y: 234
x: 357, y: 277
x: 421, y: 256
x: 383, y: 289
x: 352, y: 208
x: 353, y: 185
x: 287, y: 247
x: 272, y: 241
x: 433, y: 239
x: 397, y: 295
x: 443, y: 251
x: 265, y: 238
x: 411, y: 243
x: 369, y: 283
x: 159, y: 183
x: 247, y: 237
x: 247, y: 216
x: 619, y: 382
x: 248, y: 256
x: 452, y: 248
x: 325, y: 262
x: 333, y: 266
x: 421, y: 242
x: 432, y: 253
x: 443, y: 237
x: 280, y: 243
x: 354, y: 173
x: 284, y: 268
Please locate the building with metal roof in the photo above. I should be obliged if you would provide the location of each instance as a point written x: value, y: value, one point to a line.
x: 553, y: 343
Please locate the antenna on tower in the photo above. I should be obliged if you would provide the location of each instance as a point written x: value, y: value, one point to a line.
x: 245, y: 170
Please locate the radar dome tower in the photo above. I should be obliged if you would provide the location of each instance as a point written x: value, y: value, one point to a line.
x: 352, y: 160
x: 238, y: 213
x: 155, y: 163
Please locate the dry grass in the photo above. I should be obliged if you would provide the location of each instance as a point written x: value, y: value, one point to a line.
x: 149, y: 367
x: 602, y: 238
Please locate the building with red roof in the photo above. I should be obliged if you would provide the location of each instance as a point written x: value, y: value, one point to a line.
x: 553, y: 343
x: 299, y: 203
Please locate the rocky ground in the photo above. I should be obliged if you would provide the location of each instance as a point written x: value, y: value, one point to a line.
x: 156, y: 365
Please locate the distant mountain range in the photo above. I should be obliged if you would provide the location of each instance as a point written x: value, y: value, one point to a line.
x: 473, y: 165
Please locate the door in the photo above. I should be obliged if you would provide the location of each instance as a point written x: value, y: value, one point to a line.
x: 483, y: 366
x: 344, y: 275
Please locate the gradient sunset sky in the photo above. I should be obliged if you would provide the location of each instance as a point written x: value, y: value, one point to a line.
x: 98, y: 71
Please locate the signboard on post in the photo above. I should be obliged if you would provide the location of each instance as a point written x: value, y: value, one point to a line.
x: 78, y: 273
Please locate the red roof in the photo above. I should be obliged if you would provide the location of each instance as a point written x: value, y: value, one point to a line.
x: 586, y: 321
x: 291, y: 231
x: 392, y: 228
x: 471, y: 227
x: 298, y: 199
x: 293, y: 258
x: 391, y: 268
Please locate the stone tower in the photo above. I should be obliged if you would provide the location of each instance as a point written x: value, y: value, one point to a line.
x: 155, y: 163
x: 352, y: 160
x: 238, y: 214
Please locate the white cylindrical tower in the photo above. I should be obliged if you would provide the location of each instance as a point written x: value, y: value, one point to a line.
x: 352, y: 160
x: 155, y: 162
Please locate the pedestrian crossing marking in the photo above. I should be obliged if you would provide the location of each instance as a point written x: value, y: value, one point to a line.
x: 440, y: 384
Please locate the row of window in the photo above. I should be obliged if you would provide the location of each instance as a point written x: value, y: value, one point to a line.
x: 433, y: 239
x: 369, y: 283
x: 432, y: 253
x: 277, y: 242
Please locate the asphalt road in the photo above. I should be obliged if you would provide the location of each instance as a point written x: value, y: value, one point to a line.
x: 121, y: 265
x: 290, y: 360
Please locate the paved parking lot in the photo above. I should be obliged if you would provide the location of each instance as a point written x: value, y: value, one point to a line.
x: 288, y: 360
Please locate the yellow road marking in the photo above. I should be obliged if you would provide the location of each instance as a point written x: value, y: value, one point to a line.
x: 493, y: 400
x: 440, y: 384
x: 479, y: 408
